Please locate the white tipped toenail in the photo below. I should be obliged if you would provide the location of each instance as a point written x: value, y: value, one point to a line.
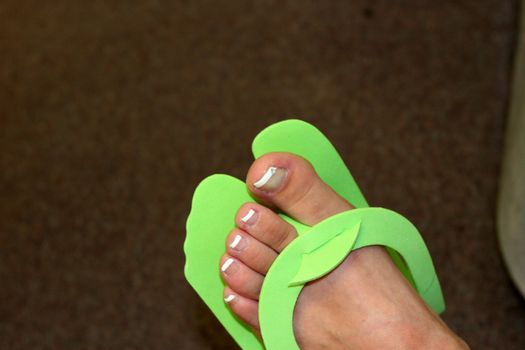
x: 226, y: 264
x: 248, y: 216
x: 236, y: 241
x: 266, y: 177
x: 229, y: 298
x: 272, y: 179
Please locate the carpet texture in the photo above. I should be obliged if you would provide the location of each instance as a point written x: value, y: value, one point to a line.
x: 111, y: 112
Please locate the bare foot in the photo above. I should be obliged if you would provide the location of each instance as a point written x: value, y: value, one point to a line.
x: 366, y: 303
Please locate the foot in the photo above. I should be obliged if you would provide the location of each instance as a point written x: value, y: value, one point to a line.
x: 366, y: 303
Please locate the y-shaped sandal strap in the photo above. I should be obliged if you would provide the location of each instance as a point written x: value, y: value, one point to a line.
x: 320, y: 250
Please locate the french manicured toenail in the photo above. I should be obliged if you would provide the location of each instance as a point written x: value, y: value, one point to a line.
x: 272, y: 179
x: 250, y: 218
x: 229, y: 267
x: 238, y: 243
x: 229, y: 298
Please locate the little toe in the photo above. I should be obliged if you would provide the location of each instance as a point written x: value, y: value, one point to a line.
x: 253, y: 253
x: 240, y: 277
x: 265, y: 225
x: 290, y: 183
x: 246, y: 309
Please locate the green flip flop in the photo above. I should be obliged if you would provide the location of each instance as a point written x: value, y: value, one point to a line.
x: 310, y: 256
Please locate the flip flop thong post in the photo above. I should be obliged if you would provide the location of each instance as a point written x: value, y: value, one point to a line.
x: 308, y: 257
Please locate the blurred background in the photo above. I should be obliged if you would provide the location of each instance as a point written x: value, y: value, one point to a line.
x: 111, y: 112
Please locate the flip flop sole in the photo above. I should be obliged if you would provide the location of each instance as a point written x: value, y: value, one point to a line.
x: 214, y: 204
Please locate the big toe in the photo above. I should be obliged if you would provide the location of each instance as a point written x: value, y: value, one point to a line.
x: 290, y: 183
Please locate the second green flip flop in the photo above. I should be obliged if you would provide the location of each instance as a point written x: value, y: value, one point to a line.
x: 308, y: 257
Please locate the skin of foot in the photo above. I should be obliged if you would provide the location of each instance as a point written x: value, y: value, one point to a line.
x: 365, y: 303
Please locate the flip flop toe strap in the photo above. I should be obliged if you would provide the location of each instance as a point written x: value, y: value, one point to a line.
x: 320, y: 250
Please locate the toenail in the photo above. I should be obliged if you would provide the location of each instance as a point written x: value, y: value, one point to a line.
x: 272, y: 179
x: 238, y: 243
x: 229, y: 298
x: 250, y: 218
x: 229, y: 267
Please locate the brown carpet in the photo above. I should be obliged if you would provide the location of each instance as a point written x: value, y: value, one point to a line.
x: 112, y: 111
